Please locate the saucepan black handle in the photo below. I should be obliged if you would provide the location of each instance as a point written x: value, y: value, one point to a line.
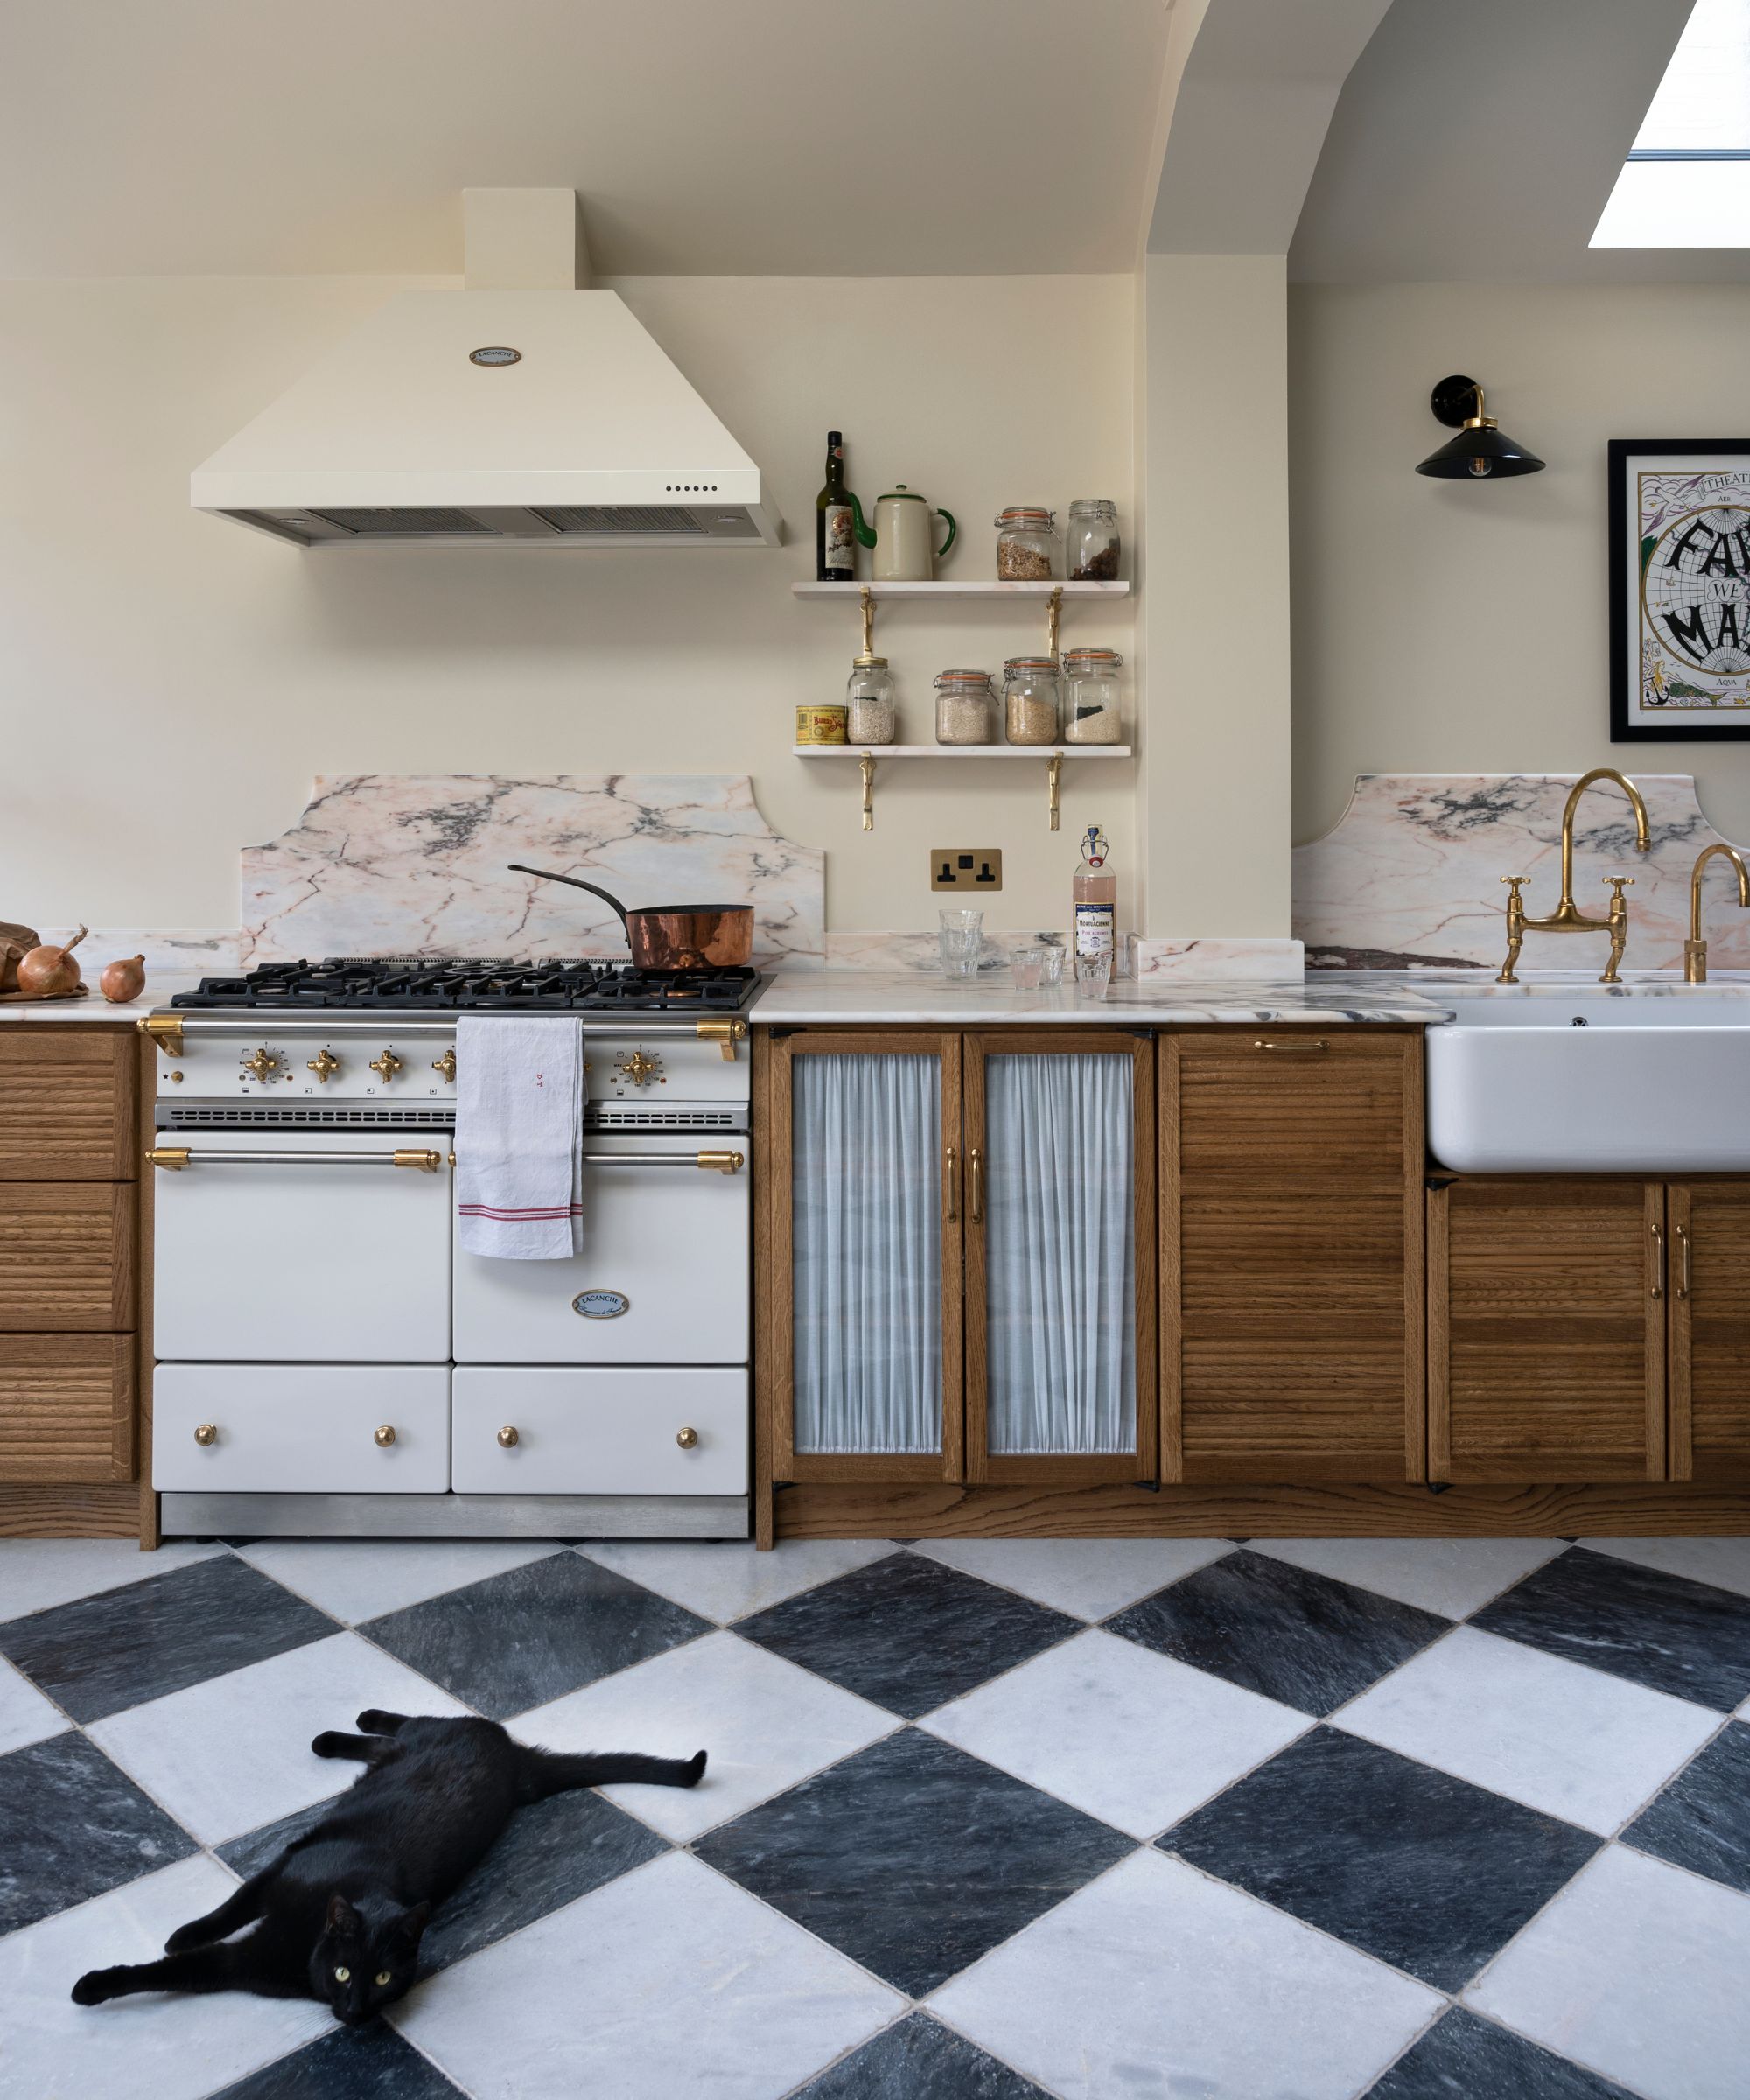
x: 547, y: 875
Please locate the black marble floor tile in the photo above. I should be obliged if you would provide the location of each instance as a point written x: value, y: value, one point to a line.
x: 72, y: 1825
x: 1676, y: 1636
x: 919, y: 2059
x: 1305, y: 1639
x: 352, y: 2063
x: 551, y: 1853
x: 1702, y: 1820
x: 912, y: 1857
x: 1465, y: 2058
x: 125, y: 1646
x: 534, y: 1633
x: 907, y: 1632
x: 1427, y: 1871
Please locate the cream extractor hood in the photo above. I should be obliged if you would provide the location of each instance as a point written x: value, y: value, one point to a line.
x: 545, y: 419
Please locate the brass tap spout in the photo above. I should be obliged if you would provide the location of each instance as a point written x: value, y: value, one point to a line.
x: 1567, y: 918
x: 1695, y: 948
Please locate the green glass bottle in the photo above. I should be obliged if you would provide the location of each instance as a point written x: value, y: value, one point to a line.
x: 835, y: 520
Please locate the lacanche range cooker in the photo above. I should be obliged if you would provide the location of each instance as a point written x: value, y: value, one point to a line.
x: 329, y: 1362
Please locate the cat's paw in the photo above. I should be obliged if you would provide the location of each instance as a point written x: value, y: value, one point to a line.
x: 695, y: 1770
x: 96, y: 1985
x: 374, y: 1721
x: 330, y: 1743
x: 194, y: 1934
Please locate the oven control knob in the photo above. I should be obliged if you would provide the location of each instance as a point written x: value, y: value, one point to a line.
x: 386, y: 1066
x: 445, y: 1067
x: 324, y: 1065
x: 384, y: 1436
x: 508, y: 1437
x: 686, y: 1437
x: 636, y: 1066
x: 261, y: 1065
x: 207, y: 1433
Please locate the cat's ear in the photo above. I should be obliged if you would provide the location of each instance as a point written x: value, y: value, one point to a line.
x: 341, y: 1915
x: 411, y: 1923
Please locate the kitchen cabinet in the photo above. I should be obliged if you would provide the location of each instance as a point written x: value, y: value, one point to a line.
x: 301, y: 1428
x: 1291, y: 1310
x: 569, y: 1430
x: 1709, y: 1315
x: 1547, y: 1319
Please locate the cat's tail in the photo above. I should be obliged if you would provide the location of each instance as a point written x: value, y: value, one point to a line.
x: 546, y: 1772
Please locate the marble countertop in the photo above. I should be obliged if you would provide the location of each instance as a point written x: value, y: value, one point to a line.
x: 1445, y: 985
x: 161, y: 988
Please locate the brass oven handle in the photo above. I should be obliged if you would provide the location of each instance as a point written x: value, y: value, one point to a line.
x: 950, y: 1186
x: 976, y: 1162
x: 686, y: 1437
x: 1681, y: 1233
x: 207, y: 1433
x: 726, y: 1034
x: 1658, y: 1284
x: 1315, y: 1043
x: 508, y: 1437
x: 383, y: 1437
x: 176, y: 1157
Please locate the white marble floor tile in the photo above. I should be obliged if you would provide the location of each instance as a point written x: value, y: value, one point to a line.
x: 1637, y: 1970
x: 36, y: 1573
x: 669, y: 1981
x: 228, y: 1755
x: 1156, y: 1980
x: 1091, y: 1578
x: 1575, y: 1742
x: 358, y: 1579
x: 765, y: 1723
x: 1724, y: 1562
x: 1134, y: 1737
x: 1454, y: 1577
x: 727, y: 1580
x: 149, y: 2047
x: 26, y: 1715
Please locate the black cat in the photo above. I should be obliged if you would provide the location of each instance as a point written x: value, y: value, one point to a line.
x: 339, y: 1913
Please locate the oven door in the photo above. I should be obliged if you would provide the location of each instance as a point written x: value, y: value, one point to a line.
x: 301, y: 1246
x: 663, y: 1277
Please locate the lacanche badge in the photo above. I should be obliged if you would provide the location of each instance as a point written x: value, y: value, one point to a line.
x: 601, y: 1305
x: 495, y: 353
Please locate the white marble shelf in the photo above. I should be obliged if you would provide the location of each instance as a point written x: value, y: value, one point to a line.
x: 962, y: 751
x: 966, y: 590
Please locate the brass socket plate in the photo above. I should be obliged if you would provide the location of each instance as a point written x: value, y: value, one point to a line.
x: 977, y: 870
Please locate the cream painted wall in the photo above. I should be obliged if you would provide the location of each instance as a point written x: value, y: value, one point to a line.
x: 1441, y: 627
x: 169, y: 683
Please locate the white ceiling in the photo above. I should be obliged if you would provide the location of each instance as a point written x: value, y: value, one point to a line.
x: 755, y: 137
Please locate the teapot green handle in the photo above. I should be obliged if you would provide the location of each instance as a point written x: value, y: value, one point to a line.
x: 953, y: 534
x: 864, y: 533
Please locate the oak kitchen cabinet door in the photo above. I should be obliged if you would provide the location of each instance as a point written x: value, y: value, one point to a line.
x: 865, y: 1217
x: 1709, y: 1327
x: 1546, y: 1330
x: 1060, y: 1219
x: 1292, y: 1316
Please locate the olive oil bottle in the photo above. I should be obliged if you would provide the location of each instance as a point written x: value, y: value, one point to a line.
x: 835, y: 520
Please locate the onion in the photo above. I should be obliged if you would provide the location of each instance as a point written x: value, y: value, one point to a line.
x: 123, y: 979
x: 46, y: 972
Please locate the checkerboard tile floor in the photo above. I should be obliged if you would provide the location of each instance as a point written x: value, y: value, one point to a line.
x: 983, y: 1821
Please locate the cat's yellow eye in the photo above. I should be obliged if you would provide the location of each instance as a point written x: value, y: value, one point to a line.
x: 383, y: 1977
x: 342, y: 1976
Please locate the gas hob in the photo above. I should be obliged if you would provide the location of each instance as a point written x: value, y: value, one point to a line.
x: 423, y: 984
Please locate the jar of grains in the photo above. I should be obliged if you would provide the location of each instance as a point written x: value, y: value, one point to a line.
x: 1092, y: 547
x: 1026, y: 545
x: 1090, y: 696
x: 870, y: 715
x: 965, y: 708
x: 1030, y: 699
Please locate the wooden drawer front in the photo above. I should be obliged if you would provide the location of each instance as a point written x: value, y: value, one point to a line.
x: 1710, y: 1311
x: 67, y: 1257
x: 301, y: 1429
x: 1291, y: 1345
x: 67, y: 1104
x: 1546, y: 1342
x: 600, y: 1432
x: 66, y: 1408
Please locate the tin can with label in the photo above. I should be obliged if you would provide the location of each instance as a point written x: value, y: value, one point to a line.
x: 823, y: 725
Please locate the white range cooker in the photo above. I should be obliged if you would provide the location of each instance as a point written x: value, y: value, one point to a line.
x: 329, y: 1362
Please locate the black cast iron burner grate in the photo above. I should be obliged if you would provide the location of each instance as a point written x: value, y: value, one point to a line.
x: 556, y: 984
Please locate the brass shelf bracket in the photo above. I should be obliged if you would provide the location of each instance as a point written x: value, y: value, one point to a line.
x: 1053, y: 620
x: 865, y: 766
x: 868, y: 600
x: 1054, y: 773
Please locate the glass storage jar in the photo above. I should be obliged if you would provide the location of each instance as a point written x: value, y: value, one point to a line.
x: 1092, y: 542
x: 965, y: 708
x: 1030, y: 701
x: 871, y: 714
x: 1026, y: 545
x: 1090, y: 696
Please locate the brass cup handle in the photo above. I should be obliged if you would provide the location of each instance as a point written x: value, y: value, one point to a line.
x: 508, y: 1437
x: 1681, y: 1234
x: 686, y: 1437
x: 207, y: 1433
x: 1656, y: 1288
x: 384, y: 1436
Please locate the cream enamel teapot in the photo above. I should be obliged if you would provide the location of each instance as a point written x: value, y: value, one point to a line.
x: 903, y: 537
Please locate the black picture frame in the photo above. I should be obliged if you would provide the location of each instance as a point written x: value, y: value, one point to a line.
x: 1624, y: 614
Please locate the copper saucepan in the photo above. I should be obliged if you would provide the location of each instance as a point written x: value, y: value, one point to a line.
x: 672, y: 936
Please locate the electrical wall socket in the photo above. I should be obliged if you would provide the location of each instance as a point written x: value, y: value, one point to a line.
x: 966, y: 868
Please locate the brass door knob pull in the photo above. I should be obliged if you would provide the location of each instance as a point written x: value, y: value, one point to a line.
x: 686, y: 1437
x: 507, y: 1436
x: 384, y: 1436
x: 207, y: 1433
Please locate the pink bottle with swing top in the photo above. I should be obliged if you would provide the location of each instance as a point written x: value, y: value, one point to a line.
x: 1096, y: 917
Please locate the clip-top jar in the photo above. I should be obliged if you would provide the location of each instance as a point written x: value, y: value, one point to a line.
x: 1026, y: 545
x: 1092, y: 541
x: 1090, y: 696
x: 965, y: 708
x: 1030, y: 703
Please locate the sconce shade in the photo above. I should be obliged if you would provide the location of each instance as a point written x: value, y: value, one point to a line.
x: 1482, y: 451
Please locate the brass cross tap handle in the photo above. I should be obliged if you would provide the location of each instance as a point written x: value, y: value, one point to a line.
x: 322, y: 1064
x: 445, y: 1067
x: 261, y: 1065
x: 386, y: 1066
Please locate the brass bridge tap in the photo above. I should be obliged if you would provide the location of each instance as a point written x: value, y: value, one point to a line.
x: 1567, y: 918
x: 1695, y: 948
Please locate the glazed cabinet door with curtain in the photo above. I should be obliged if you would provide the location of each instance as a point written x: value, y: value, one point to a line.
x: 1059, y: 1211
x: 865, y: 1221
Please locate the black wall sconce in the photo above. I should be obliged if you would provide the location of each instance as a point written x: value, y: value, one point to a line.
x: 1482, y: 451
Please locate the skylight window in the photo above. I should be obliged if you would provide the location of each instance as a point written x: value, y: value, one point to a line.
x: 1686, y: 183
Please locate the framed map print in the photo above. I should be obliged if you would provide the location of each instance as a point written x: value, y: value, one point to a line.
x: 1679, y: 588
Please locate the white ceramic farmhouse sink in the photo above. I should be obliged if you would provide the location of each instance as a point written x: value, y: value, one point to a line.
x: 1591, y: 1083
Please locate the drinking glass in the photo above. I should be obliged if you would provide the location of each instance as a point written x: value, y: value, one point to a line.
x: 960, y: 936
x: 1093, y: 975
x: 1051, y: 974
x: 1028, y: 964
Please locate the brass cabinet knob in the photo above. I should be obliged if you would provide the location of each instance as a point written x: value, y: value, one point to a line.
x: 386, y: 1066
x: 507, y: 1436
x: 445, y: 1067
x: 385, y: 1436
x: 323, y: 1065
x: 207, y: 1433
x: 686, y: 1437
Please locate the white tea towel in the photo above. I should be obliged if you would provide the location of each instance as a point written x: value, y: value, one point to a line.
x: 519, y: 1137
